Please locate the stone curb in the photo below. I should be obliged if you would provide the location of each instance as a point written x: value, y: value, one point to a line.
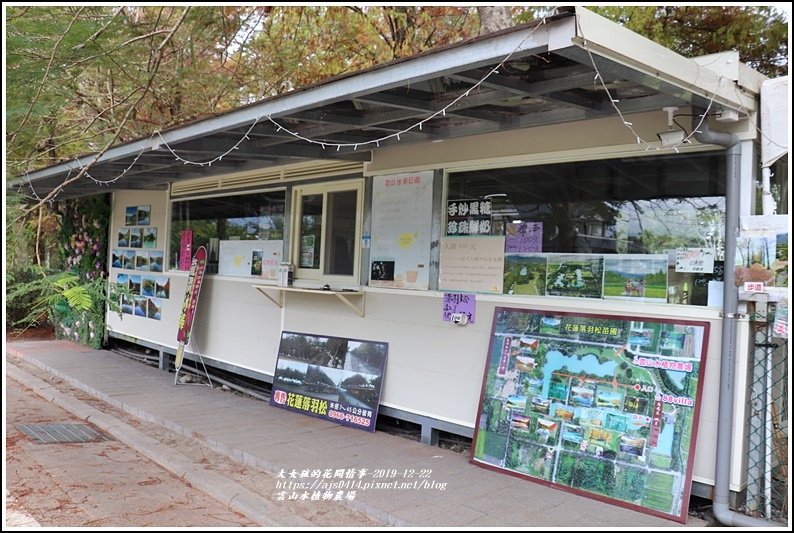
x: 226, y: 491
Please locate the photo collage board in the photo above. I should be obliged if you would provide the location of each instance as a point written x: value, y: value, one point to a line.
x: 514, y: 263
x: 137, y: 251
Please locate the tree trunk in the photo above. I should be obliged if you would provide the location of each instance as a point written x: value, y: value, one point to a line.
x: 494, y: 18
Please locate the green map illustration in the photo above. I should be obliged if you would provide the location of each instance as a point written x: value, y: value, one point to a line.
x: 600, y: 405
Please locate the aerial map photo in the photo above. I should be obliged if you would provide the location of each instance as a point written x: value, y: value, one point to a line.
x: 594, y: 404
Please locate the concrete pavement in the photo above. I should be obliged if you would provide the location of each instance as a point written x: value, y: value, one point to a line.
x: 409, y: 484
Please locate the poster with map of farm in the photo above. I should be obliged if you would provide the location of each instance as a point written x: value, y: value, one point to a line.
x: 604, y: 406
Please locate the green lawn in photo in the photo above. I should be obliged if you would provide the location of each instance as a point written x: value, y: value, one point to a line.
x: 651, y: 291
x: 660, y: 461
x: 659, y: 492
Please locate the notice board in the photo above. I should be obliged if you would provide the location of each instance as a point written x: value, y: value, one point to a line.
x: 402, y: 207
x: 472, y: 264
x: 604, y: 406
x: 333, y: 378
x: 254, y: 258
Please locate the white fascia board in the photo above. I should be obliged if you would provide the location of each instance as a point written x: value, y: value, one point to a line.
x: 616, y: 43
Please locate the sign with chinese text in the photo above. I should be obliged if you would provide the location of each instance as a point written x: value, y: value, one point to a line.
x: 332, y: 378
x: 250, y: 258
x: 699, y: 260
x: 523, y: 237
x: 458, y: 302
x: 192, y: 290
x: 402, y: 208
x: 603, y: 406
x: 474, y: 264
x: 185, y: 249
x: 469, y: 217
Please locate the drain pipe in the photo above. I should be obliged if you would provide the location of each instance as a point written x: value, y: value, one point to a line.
x: 730, y: 308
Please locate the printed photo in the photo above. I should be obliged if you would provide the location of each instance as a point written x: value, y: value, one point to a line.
x: 142, y: 260
x: 156, y: 260
x: 636, y: 276
x: 148, y: 286
x: 129, y: 259
x: 574, y: 275
x: 141, y: 304
x: 382, y: 271
x: 136, y: 237
x: 117, y: 260
x: 144, y: 212
x: 135, y: 284
x: 154, y: 308
x: 525, y: 274
x: 127, y: 304
x: 131, y: 216
x: 124, y: 237
x: 163, y: 287
x: 150, y: 237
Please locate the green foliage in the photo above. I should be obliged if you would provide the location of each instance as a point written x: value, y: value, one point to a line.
x: 84, y: 229
x: 758, y: 33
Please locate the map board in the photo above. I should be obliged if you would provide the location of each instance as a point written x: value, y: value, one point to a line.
x: 603, y: 406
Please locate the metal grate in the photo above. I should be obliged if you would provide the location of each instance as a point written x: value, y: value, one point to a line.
x: 58, y: 433
x: 767, y: 423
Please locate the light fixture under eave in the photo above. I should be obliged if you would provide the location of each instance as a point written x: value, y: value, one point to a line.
x: 671, y: 138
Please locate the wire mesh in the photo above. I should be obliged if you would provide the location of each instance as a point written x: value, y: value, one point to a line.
x: 766, y: 494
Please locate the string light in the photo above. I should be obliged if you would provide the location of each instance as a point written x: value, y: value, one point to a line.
x: 597, y: 79
x: 323, y: 144
x: 614, y: 101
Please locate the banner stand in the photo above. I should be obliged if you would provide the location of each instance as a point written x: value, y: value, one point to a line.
x: 192, y: 290
x: 180, y: 357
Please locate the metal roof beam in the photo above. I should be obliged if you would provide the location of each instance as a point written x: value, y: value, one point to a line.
x: 488, y: 50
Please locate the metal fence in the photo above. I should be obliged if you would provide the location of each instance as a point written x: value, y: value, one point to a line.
x: 766, y: 494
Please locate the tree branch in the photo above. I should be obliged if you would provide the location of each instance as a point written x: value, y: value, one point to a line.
x: 44, y: 78
x: 144, y: 91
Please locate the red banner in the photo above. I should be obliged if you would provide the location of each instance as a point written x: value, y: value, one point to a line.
x: 191, y: 300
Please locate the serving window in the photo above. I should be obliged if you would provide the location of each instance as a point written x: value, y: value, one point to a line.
x: 600, y: 229
x: 243, y: 233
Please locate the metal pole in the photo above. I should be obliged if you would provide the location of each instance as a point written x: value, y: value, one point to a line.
x: 722, y: 480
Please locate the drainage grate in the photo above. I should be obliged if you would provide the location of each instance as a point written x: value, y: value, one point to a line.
x: 55, y: 433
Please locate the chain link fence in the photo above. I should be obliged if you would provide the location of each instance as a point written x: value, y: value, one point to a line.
x: 766, y: 496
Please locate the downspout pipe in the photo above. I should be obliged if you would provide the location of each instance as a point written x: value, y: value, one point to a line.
x: 730, y: 309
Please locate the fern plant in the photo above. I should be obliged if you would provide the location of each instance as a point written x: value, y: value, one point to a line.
x: 76, y: 308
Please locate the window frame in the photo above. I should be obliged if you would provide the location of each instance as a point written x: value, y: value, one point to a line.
x: 209, y: 196
x: 324, y: 189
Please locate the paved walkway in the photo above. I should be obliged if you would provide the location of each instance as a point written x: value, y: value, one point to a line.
x: 454, y: 493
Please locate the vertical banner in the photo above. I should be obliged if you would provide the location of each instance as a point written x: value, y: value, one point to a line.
x: 332, y: 378
x: 192, y: 290
x: 185, y: 248
x: 603, y: 406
